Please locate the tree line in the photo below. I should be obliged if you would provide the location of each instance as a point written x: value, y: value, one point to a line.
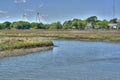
x: 89, y: 23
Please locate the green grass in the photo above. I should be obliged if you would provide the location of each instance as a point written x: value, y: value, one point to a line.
x: 69, y: 36
x: 110, y: 35
x: 93, y: 37
x: 25, y: 44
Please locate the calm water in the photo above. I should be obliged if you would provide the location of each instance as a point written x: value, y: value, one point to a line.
x: 71, y: 60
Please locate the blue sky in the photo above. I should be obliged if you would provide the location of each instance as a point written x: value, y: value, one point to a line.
x: 56, y: 10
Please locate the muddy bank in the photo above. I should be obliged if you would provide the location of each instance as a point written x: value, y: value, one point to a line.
x: 18, y: 52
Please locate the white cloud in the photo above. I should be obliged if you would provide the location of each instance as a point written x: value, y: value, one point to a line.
x: 20, y: 1
x: 2, y: 12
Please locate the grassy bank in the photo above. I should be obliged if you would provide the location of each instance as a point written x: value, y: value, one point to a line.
x: 16, y: 42
x: 91, y: 37
x: 101, y: 35
x: 19, y: 52
x: 14, y: 46
x: 9, y: 44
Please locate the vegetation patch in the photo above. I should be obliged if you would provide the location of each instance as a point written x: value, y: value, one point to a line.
x: 20, y: 43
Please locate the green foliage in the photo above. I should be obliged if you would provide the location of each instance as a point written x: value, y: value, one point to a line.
x: 1, y: 26
x: 70, y: 24
x: 67, y: 25
x: 6, y: 25
x: 74, y: 24
x: 113, y: 20
x: 119, y: 22
x: 46, y: 26
x: 30, y: 44
x: 92, y: 19
x: 37, y: 25
x: 20, y: 25
x: 55, y: 26
x: 102, y: 24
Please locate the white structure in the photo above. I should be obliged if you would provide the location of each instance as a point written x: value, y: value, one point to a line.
x: 38, y: 17
x: 113, y: 26
x: 89, y: 26
x: 24, y: 17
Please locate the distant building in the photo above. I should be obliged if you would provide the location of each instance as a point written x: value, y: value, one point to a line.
x: 89, y: 26
x: 73, y: 27
x: 113, y: 26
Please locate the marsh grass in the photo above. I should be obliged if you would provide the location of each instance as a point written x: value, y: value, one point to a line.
x: 72, y: 36
x: 104, y: 35
x: 9, y: 44
x: 20, y: 42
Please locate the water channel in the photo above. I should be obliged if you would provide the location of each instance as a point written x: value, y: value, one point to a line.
x: 70, y: 60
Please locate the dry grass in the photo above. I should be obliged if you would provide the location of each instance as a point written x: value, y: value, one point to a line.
x: 15, y: 43
x: 25, y: 36
x: 13, y: 46
x: 109, y: 35
x: 71, y: 32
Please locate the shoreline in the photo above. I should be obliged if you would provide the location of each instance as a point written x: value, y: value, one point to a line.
x: 22, y: 42
x: 93, y: 40
x: 20, y: 52
x: 25, y: 51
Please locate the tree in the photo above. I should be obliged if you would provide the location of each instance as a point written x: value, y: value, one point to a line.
x: 1, y: 26
x: 56, y: 25
x: 92, y: 20
x: 37, y: 25
x: 113, y: 20
x: 33, y: 25
x: 67, y: 25
x: 21, y: 25
x: 119, y: 22
x: 6, y: 25
x: 102, y: 24
x: 75, y: 23
x: 59, y: 25
x: 81, y: 24
x: 46, y: 26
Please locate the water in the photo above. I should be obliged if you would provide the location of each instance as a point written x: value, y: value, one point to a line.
x: 71, y: 60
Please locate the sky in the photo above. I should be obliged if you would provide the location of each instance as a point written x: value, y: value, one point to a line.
x: 57, y: 10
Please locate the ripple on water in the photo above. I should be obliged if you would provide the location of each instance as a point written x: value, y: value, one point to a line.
x: 71, y: 60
